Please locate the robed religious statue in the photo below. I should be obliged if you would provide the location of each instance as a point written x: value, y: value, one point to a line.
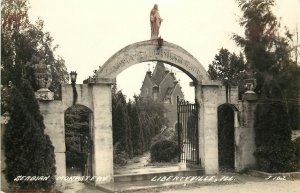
x: 155, y: 21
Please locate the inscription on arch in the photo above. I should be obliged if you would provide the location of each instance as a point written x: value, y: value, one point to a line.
x: 149, y: 51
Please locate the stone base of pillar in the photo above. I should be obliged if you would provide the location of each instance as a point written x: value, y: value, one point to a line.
x: 44, y: 94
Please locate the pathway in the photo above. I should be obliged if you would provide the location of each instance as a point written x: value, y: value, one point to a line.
x: 248, y: 187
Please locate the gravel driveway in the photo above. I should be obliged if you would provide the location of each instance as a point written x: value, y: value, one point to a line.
x: 248, y: 187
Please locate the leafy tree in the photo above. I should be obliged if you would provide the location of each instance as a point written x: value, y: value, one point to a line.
x: 268, y: 54
x: 229, y: 68
x: 269, y: 60
x: 24, y: 45
x: 28, y: 150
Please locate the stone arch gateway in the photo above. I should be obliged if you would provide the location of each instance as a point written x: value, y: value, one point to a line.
x: 207, y: 92
x: 96, y: 94
x: 151, y: 51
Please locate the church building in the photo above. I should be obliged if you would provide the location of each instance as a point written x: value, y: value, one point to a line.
x: 162, y: 86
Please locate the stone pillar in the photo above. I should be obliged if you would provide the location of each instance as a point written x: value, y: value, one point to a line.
x: 103, y: 141
x: 207, y: 94
x: 246, y: 139
x: 53, y: 114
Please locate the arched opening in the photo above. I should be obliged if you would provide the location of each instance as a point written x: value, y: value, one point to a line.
x: 226, y: 148
x: 159, y: 87
x: 149, y: 51
x: 78, y: 139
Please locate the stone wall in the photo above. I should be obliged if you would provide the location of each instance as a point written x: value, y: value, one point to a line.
x: 54, y: 122
x: 246, y: 136
x: 97, y: 98
x: 244, y: 128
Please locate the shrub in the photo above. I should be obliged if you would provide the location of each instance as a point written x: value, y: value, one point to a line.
x: 120, y: 156
x: 165, y: 134
x: 297, y: 152
x: 275, y: 151
x: 164, y: 151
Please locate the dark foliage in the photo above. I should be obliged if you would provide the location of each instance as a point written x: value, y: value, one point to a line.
x: 28, y: 150
x: 78, y: 138
x: 135, y: 123
x: 228, y: 68
x: 268, y: 55
x: 164, y: 151
x: 274, y: 149
x: 121, y: 124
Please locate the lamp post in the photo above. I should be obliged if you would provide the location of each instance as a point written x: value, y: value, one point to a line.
x: 73, y: 76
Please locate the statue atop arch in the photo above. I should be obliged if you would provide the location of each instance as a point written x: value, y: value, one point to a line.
x: 155, y: 22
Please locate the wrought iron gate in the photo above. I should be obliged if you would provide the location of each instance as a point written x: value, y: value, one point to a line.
x: 187, y: 128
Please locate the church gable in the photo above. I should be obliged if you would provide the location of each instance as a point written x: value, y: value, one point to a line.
x: 146, y: 89
x: 159, y: 73
x: 161, y: 85
x: 172, y: 93
x: 166, y: 83
x: 176, y: 92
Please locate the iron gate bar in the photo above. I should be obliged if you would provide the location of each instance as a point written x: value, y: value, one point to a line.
x: 187, y: 130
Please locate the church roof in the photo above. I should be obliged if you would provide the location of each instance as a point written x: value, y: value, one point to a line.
x: 158, y: 73
x: 163, y: 79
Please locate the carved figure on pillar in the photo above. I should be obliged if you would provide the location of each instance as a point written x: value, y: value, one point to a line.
x: 155, y: 22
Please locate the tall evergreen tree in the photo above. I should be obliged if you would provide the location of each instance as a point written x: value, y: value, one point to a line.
x: 28, y: 150
x: 121, y: 124
x: 268, y: 56
x: 136, y: 129
x: 135, y: 123
x: 268, y: 53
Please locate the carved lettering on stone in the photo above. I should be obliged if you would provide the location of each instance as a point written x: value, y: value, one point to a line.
x: 137, y: 56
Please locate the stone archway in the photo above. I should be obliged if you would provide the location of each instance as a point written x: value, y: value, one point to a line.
x: 96, y: 94
x: 207, y: 93
x: 151, y: 51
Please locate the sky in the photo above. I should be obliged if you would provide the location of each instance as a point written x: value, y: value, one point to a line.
x: 89, y: 32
